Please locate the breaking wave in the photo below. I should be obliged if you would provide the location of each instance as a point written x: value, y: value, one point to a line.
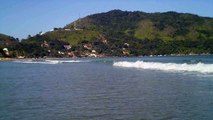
x: 47, y: 61
x: 198, y: 67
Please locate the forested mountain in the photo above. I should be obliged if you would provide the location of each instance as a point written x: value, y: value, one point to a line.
x: 124, y: 33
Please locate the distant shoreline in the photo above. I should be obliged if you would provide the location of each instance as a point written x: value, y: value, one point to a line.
x: 11, y: 59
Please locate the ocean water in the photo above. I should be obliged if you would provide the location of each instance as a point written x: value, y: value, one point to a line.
x: 142, y: 88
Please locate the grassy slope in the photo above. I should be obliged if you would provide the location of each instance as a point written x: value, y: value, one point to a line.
x: 73, y: 37
x: 6, y: 37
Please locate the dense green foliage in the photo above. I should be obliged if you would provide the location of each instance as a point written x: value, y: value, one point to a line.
x: 119, y: 33
x: 154, y: 33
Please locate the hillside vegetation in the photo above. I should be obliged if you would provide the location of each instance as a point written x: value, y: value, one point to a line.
x: 124, y: 33
x: 7, y: 42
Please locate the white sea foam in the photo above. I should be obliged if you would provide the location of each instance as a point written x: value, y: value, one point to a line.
x: 64, y: 61
x: 47, y: 61
x: 36, y: 62
x: 199, y: 67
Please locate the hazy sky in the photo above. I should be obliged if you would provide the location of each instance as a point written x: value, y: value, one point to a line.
x: 20, y: 18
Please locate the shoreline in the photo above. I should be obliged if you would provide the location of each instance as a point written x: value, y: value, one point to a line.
x: 172, y: 55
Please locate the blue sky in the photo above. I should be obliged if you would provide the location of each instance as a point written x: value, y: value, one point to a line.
x: 19, y: 18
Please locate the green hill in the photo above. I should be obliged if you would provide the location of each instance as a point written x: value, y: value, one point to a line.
x: 7, y: 42
x: 124, y: 33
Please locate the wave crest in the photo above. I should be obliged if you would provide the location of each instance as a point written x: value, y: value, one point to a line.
x: 199, y: 67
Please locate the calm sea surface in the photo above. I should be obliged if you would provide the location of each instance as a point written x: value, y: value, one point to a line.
x: 146, y: 88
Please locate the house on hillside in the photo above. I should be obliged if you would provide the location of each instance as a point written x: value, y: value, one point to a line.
x: 45, y: 44
x: 87, y: 46
x: 68, y: 47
